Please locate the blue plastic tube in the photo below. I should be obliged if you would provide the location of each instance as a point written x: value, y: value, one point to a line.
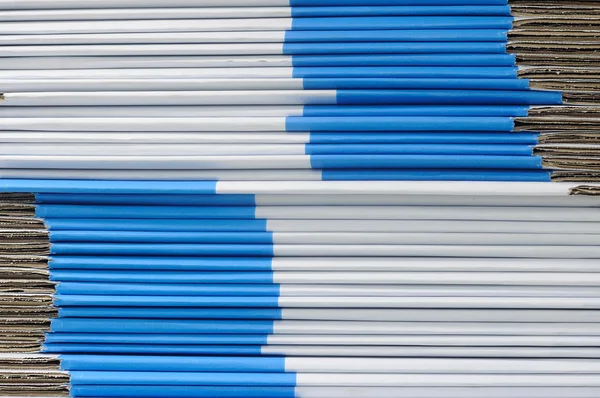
x: 468, y: 70
x: 129, y: 363
x: 448, y: 97
x: 181, y: 379
x: 171, y: 313
x: 142, y: 349
x: 162, y: 249
x: 140, y: 289
x: 403, y: 22
x: 399, y: 123
x: 167, y: 326
x: 426, y: 149
x: 147, y: 264
x: 415, y: 83
x: 82, y: 224
x: 424, y: 162
x: 394, y: 48
x: 166, y: 301
x: 438, y: 175
x: 440, y: 35
x: 453, y: 60
x: 259, y: 238
x: 310, y: 3
x: 424, y: 138
x: 164, y: 277
x: 146, y: 212
x: 363, y: 11
x: 157, y: 338
x: 123, y: 391
x: 419, y: 110
x: 156, y: 199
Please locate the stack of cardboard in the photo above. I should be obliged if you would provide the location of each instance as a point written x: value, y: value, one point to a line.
x: 557, y: 45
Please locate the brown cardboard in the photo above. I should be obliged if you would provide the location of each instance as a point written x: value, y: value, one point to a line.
x: 24, y: 273
x: 21, y: 223
x: 36, y: 361
x: 557, y: 71
x: 545, y: 9
x: 16, y: 235
x: 28, y: 348
x: 581, y: 137
x: 17, y: 209
x: 32, y: 376
x: 11, y: 311
x: 26, y: 286
x: 562, y: 34
x: 564, y: 150
x: 33, y: 322
x: 588, y: 59
x: 25, y: 300
x: 19, y: 198
x: 556, y: 123
x: 575, y: 176
x: 537, y: 45
x: 564, y: 110
x: 586, y: 190
x: 39, y: 248
x: 23, y: 261
x: 576, y: 21
x: 37, y: 391
x: 575, y: 162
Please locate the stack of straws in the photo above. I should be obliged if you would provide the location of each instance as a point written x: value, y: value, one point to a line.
x: 356, y: 199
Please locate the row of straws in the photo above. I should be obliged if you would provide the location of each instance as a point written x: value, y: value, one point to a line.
x: 288, y: 271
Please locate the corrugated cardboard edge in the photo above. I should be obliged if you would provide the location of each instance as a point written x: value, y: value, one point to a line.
x: 577, y: 137
x: 585, y: 190
x: 26, y: 303
x: 571, y: 163
x: 19, y: 198
x: 566, y: 150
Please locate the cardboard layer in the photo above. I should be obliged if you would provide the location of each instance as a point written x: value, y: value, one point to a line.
x: 45, y: 311
x: 589, y: 59
x: 581, y: 137
x: 30, y: 274
x: 558, y: 71
x: 23, y: 361
x: 25, y: 286
x: 16, y: 210
x: 558, y: 22
x: 21, y: 223
x: 556, y: 123
x: 556, y: 34
x: 585, y: 190
x: 537, y: 46
x: 581, y: 97
x: 39, y: 248
x: 18, y: 198
x: 557, y: 47
x: 562, y: 150
x: 25, y: 300
x: 23, y: 347
x: 24, y: 261
x: 581, y: 163
x: 573, y: 111
x: 576, y: 176
x: 20, y: 235
x: 37, y: 392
